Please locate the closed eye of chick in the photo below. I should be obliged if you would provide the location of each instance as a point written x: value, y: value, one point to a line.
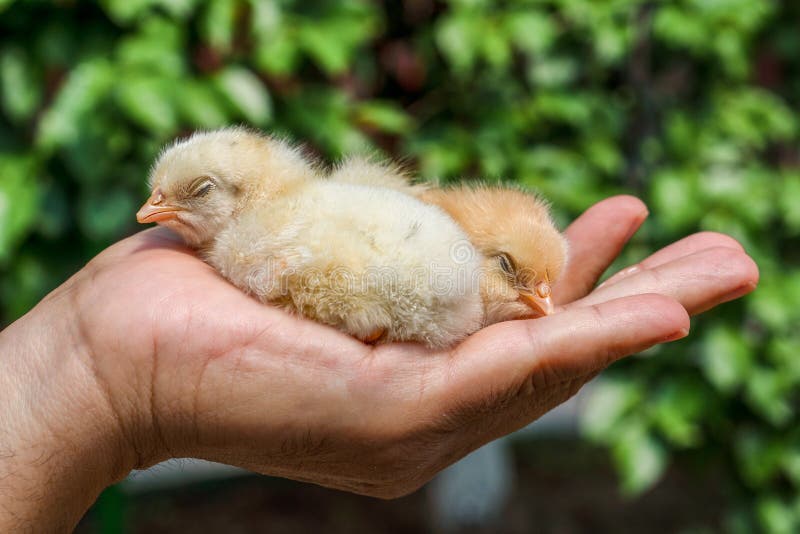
x: 370, y: 261
x: 524, y: 253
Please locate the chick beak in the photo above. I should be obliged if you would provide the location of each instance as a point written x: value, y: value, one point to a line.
x: 539, y: 300
x: 154, y: 210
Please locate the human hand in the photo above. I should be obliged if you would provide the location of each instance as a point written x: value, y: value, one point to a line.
x: 176, y: 362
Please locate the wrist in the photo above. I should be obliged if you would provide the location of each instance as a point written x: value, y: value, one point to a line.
x: 62, y: 441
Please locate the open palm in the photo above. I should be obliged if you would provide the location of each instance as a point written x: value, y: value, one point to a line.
x: 196, y: 368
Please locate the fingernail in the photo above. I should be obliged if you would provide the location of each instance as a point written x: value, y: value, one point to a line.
x: 620, y: 275
x: 739, y: 292
x: 680, y: 334
x: 635, y: 226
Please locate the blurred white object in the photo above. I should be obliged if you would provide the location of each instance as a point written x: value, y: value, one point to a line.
x: 177, y: 472
x: 473, y: 492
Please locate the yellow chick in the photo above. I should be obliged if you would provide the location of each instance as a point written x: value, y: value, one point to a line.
x: 373, y: 262
x: 369, y: 171
x: 523, y: 251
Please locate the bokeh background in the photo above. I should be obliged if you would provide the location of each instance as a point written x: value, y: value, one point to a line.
x: 692, y: 105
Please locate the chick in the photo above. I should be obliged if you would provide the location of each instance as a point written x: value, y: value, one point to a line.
x: 371, y: 261
x: 369, y: 171
x: 523, y: 252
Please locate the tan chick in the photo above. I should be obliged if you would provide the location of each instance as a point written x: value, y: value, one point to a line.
x: 523, y: 251
x: 370, y: 261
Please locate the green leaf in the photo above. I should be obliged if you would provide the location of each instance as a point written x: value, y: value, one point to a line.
x: 726, y: 358
x: 611, y: 41
x: 146, y: 100
x: 26, y: 283
x: 277, y: 55
x: 777, y: 301
x: 678, y: 410
x: 332, y: 42
x: 776, y: 516
x: 457, y: 38
x: 266, y: 18
x: 86, y: 86
x: 178, y: 8
x: 672, y: 197
x: 331, y: 56
x: 640, y: 459
x: 790, y: 460
x: 385, y: 116
x: 200, y: 105
x: 677, y: 27
x: 218, y: 24
x: 103, y: 215
x: 767, y: 393
x: 20, y: 90
x: 19, y: 201
x: 609, y: 402
x: 604, y: 154
x: 54, y: 212
x: 553, y: 72
x: 443, y: 155
x: 782, y: 352
x: 789, y: 200
x: 531, y: 31
x: 495, y: 47
x: 158, y: 47
x: 125, y: 11
x: 571, y: 108
x: 246, y: 93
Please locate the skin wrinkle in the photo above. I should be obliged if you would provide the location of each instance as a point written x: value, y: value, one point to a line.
x: 182, y: 356
x: 655, y: 276
x: 422, y: 387
x: 233, y: 372
x: 196, y: 399
x: 607, y: 354
x: 186, y: 315
x: 158, y: 434
x: 94, y: 371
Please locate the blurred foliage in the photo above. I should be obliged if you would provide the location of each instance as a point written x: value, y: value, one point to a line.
x: 689, y: 104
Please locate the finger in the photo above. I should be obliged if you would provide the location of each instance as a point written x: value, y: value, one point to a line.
x: 698, y: 281
x: 684, y: 247
x: 595, y: 240
x: 530, y: 358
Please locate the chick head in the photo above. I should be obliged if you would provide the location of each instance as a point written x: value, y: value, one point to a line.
x: 524, y: 251
x: 200, y: 183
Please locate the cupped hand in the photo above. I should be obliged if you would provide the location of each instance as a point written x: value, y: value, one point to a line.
x: 189, y: 366
x: 198, y: 369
